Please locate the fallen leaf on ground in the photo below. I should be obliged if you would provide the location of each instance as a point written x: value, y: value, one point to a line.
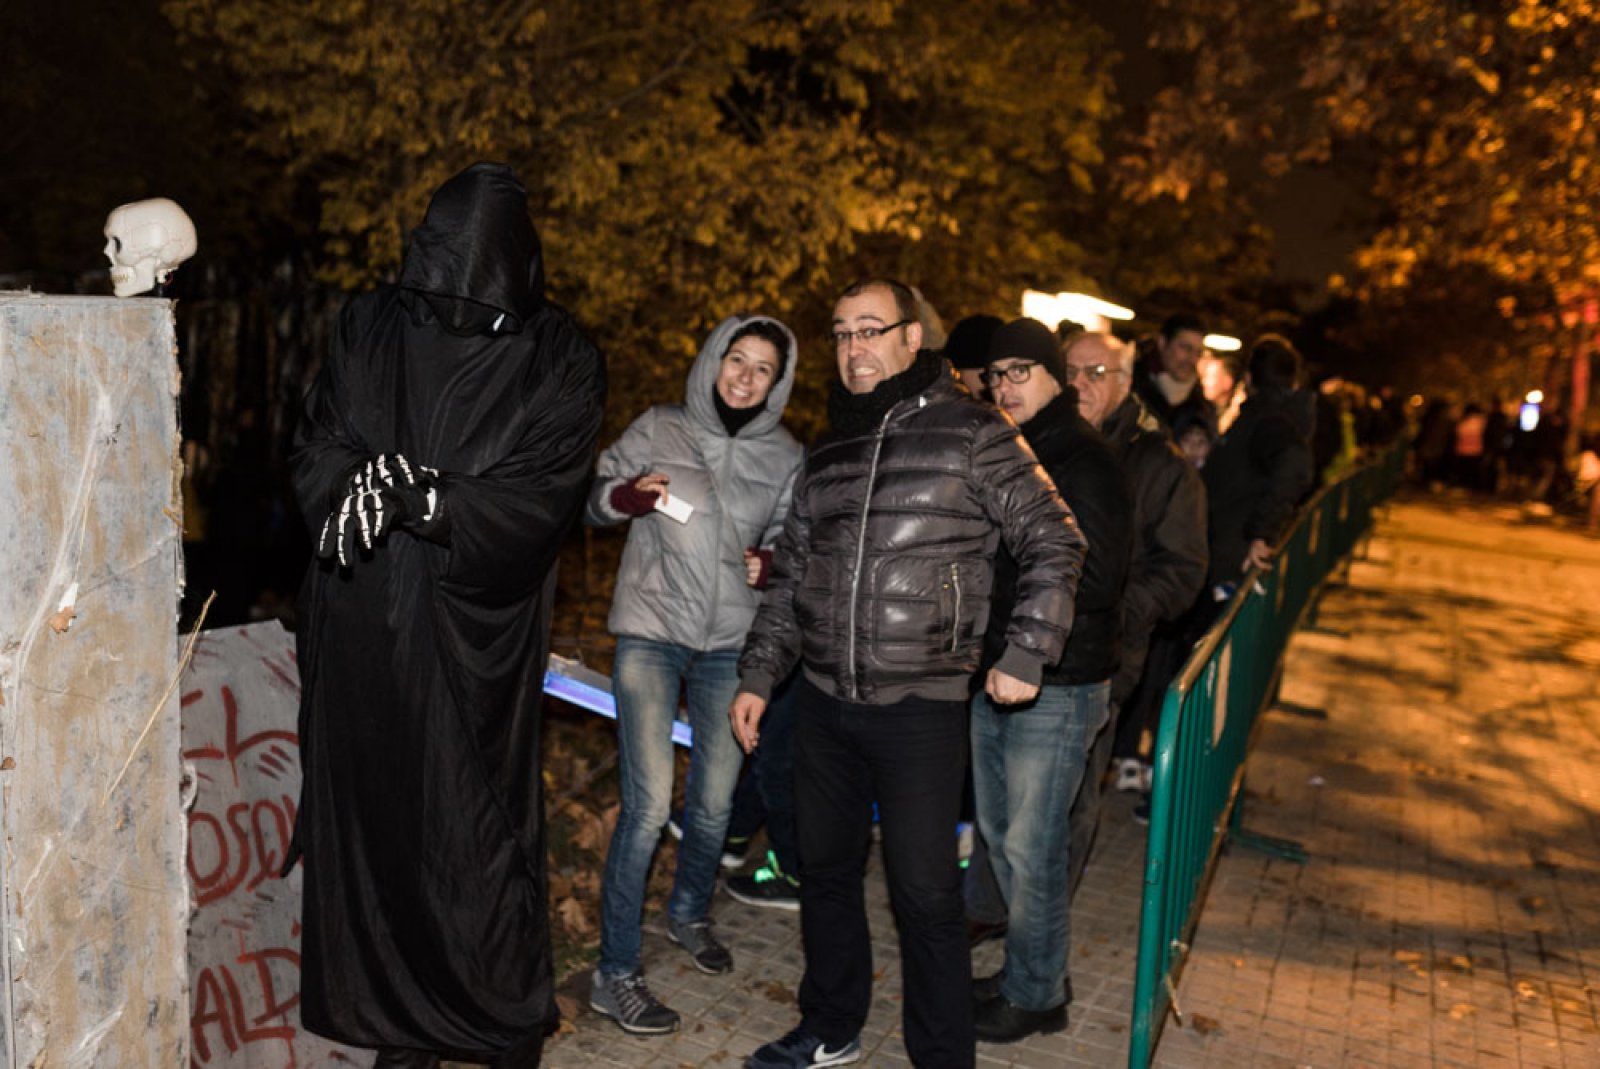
x: 574, y: 917
x: 776, y: 992
x: 1203, y: 1024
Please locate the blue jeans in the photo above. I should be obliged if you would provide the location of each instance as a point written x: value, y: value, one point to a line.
x: 646, y: 678
x: 1027, y: 763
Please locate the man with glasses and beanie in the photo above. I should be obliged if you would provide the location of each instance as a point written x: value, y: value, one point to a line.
x: 880, y: 590
x: 1028, y: 757
x: 1169, y: 553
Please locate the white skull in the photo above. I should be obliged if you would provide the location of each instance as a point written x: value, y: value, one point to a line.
x: 145, y: 241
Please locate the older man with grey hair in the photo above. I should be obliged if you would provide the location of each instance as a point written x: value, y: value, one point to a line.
x: 1169, y: 555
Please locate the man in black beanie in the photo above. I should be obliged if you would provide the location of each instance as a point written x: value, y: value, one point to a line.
x: 1028, y: 758
x: 967, y: 349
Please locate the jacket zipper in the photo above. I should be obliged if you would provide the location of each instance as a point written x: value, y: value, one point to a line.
x: 955, y: 625
x: 861, y: 550
x: 726, y: 522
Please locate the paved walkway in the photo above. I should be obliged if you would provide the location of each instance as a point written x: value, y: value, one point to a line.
x: 1447, y: 785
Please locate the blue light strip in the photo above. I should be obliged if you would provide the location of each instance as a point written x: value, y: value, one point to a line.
x: 571, y: 682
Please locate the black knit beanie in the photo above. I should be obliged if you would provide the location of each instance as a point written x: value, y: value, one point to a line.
x: 1029, y: 339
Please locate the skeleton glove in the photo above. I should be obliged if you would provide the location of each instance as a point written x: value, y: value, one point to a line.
x: 384, y: 491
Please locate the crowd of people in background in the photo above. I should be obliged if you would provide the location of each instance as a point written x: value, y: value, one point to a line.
x: 1493, y: 448
x: 915, y: 635
x: 958, y: 607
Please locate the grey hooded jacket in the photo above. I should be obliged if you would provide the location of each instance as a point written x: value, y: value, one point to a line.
x: 685, y: 583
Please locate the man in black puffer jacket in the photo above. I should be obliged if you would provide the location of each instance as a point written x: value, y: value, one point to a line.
x: 880, y: 590
x: 1028, y: 758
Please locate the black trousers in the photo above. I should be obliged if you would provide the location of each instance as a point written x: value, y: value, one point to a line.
x: 910, y: 758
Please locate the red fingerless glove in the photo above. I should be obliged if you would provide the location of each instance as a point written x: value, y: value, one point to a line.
x: 629, y: 500
x: 765, y: 557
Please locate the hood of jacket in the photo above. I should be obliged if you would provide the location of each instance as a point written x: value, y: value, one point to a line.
x: 476, y: 260
x: 703, y: 378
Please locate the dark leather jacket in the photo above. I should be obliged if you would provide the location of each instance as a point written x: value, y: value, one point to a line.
x: 881, y: 580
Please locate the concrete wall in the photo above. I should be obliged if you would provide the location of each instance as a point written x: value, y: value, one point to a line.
x: 91, y: 866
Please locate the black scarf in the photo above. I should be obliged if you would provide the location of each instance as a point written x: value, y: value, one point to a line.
x: 734, y: 419
x: 857, y: 413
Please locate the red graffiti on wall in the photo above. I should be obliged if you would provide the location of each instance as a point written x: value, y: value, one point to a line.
x: 239, y: 703
x: 234, y: 748
x: 251, y: 847
x: 235, y: 1009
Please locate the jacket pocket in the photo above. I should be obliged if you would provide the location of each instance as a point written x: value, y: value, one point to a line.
x: 951, y: 606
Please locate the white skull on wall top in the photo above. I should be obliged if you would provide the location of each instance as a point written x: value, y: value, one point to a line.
x: 145, y: 242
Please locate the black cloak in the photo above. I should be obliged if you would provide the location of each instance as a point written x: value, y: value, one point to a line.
x: 421, y: 823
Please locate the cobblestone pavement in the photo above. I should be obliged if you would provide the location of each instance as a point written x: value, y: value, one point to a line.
x: 1437, y: 751
x: 1450, y: 912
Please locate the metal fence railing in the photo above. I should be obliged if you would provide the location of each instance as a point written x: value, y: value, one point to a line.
x: 1208, y: 720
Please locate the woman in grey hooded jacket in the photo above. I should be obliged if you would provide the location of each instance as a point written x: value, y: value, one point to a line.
x: 706, y: 487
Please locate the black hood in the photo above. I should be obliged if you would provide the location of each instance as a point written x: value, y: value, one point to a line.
x: 476, y: 256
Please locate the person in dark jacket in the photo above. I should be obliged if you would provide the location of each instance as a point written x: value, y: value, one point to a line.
x: 443, y: 455
x: 1028, y: 758
x: 1169, y: 563
x: 880, y: 591
x: 1261, y: 468
x: 685, y: 594
x: 967, y: 350
x: 1166, y: 375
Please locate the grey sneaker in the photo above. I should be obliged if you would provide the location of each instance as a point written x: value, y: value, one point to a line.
x: 628, y: 1001
x: 709, y: 956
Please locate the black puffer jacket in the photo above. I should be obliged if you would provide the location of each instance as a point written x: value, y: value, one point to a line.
x: 881, y: 580
x: 1090, y: 480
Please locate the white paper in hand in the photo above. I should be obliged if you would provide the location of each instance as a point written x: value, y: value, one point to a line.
x: 674, y: 507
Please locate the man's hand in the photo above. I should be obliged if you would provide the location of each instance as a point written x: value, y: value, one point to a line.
x: 745, y: 715
x: 1004, y: 689
x: 1259, y: 555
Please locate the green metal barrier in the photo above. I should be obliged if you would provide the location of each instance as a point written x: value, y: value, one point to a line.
x: 1208, y: 721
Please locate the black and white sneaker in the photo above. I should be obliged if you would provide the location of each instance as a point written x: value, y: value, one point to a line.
x: 627, y: 1000
x: 802, y: 1050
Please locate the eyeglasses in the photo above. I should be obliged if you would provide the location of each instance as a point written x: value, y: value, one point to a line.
x: 841, y: 338
x: 1091, y: 372
x: 1017, y: 373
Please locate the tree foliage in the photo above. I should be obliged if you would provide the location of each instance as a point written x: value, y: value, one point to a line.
x: 688, y: 158
x: 1476, y: 123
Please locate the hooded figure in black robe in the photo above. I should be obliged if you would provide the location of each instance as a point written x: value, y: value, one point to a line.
x: 422, y: 661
